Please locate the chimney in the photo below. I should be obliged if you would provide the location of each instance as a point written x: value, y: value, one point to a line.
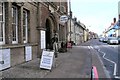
x: 114, y: 20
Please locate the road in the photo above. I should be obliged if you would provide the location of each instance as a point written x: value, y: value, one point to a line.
x: 109, y: 55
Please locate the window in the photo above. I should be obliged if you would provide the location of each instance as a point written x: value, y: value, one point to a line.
x: 2, y: 23
x: 25, y: 26
x: 15, y: 24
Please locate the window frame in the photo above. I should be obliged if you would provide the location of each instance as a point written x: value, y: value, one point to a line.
x: 26, y: 26
x: 3, y: 24
x: 16, y: 24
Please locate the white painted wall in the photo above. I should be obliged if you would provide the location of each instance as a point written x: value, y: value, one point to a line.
x: 118, y: 7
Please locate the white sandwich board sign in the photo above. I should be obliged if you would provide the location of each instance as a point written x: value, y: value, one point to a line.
x: 47, y: 59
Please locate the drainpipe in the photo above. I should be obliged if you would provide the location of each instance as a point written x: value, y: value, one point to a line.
x: 38, y: 29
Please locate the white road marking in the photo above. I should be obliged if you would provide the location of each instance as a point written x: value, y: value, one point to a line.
x: 117, y: 77
x: 104, y: 68
x: 88, y: 47
x: 104, y: 54
x: 115, y: 65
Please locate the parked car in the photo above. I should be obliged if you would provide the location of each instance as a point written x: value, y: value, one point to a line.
x: 101, y: 39
x: 118, y: 40
x: 105, y: 39
x: 112, y: 40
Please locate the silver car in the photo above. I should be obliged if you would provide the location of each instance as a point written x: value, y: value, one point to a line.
x: 101, y: 39
x: 112, y: 40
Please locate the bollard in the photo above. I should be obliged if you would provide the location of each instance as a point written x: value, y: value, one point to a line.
x: 94, y: 73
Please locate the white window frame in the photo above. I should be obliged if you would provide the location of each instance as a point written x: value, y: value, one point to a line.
x: 26, y: 26
x: 3, y: 22
x: 15, y: 42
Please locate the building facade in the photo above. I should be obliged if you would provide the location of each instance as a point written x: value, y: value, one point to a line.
x: 76, y: 31
x: 119, y: 8
x: 26, y: 28
x: 82, y: 30
x: 86, y: 35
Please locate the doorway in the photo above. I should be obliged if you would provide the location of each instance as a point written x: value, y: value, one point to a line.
x: 48, y: 34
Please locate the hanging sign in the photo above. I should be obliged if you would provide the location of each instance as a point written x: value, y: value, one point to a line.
x: 63, y: 19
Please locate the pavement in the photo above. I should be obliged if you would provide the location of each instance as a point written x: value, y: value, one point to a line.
x: 76, y: 63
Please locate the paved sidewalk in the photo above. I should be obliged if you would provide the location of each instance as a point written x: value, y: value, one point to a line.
x: 76, y: 63
x: 30, y: 69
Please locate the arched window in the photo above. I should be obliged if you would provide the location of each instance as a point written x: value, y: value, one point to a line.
x: 15, y: 24
x: 25, y: 26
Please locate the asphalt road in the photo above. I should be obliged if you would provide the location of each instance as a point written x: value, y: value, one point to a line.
x: 110, y: 56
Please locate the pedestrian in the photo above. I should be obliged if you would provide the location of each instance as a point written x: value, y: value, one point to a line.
x: 55, y: 44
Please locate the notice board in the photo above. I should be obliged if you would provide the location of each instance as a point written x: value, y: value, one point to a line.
x: 28, y: 53
x: 4, y: 58
x: 43, y: 39
x: 47, y: 59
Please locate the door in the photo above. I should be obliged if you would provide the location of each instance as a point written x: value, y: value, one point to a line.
x: 48, y: 34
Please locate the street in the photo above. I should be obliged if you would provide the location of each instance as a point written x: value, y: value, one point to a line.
x: 76, y: 63
x: 106, y: 54
x: 109, y: 56
x: 60, y: 39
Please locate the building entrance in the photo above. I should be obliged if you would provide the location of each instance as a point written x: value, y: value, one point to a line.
x: 48, y: 34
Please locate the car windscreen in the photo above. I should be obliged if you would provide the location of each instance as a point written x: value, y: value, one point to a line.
x: 112, y: 38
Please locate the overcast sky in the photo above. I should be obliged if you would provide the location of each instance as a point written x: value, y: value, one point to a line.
x: 97, y: 15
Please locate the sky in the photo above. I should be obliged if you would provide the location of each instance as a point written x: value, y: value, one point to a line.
x: 97, y: 15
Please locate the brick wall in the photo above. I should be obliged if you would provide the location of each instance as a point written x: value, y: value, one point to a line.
x: 36, y: 18
x: 17, y: 56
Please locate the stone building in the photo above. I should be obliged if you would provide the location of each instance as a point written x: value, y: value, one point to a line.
x: 86, y: 35
x: 26, y: 28
x: 76, y: 31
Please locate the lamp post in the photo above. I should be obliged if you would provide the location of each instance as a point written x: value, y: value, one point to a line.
x: 70, y: 17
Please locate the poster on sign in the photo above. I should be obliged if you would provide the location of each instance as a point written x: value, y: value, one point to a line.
x: 28, y: 53
x: 47, y: 60
x: 43, y: 39
x: 4, y: 58
x: 1, y: 59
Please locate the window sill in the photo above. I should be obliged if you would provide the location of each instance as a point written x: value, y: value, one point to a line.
x: 18, y: 45
x: 2, y: 43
